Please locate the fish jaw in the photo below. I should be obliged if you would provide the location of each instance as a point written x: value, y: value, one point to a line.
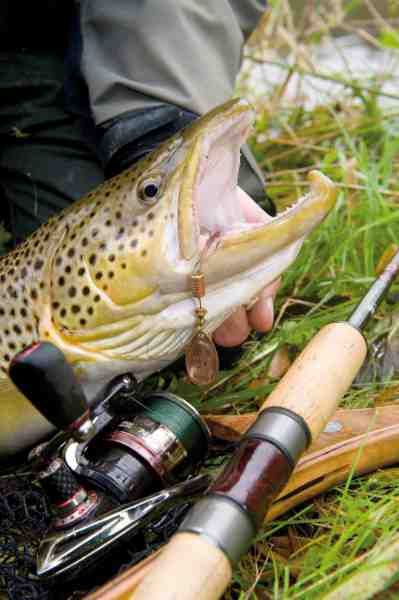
x: 242, y: 248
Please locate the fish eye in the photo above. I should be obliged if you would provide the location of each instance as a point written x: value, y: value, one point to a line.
x: 148, y: 190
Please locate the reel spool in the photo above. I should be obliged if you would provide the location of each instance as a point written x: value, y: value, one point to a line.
x: 139, y: 454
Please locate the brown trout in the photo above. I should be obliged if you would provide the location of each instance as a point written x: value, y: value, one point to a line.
x: 108, y: 280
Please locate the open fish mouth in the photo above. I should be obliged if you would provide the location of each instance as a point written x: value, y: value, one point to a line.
x: 219, y: 220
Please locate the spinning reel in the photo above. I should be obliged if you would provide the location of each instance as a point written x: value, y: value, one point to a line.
x: 130, y: 448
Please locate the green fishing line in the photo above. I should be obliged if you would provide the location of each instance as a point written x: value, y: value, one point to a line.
x: 183, y: 420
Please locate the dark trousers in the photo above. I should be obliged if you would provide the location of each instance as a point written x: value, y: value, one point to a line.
x: 46, y: 158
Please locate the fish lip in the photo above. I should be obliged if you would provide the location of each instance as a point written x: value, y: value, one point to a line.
x: 317, y: 203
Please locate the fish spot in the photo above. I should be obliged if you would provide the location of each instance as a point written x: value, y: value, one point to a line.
x: 111, y: 257
x: 111, y: 274
x: 98, y: 275
x: 17, y: 329
x: 63, y: 312
x: 108, y: 223
x: 103, y: 246
x: 33, y: 294
x: 71, y: 252
x: 144, y: 253
x: 72, y: 291
x: 7, y: 357
x: 90, y: 310
x: 2, y: 312
x: 151, y: 233
x: 23, y: 312
x: 75, y: 308
x: 24, y: 272
x: 118, y: 214
x: 82, y: 322
x: 94, y: 233
x: 12, y: 292
x: 41, y: 285
x: 92, y: 259
x: 6, y: 332
x: 12, y: 312
x: 120, y: 233
x: 68, y: 269
x: 58, y: 261
x: 81, y: 271
x: 133, y: 243
x: 123, y: 265
x: 29, y: 328
x: 97, y: 298
x: 86, y: 291
x: 61, y: 281
x: 12, y: 346
x: 55, y: 305
x: 150, y: 216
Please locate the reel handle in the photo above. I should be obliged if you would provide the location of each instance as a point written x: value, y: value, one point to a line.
x: 44, y: 376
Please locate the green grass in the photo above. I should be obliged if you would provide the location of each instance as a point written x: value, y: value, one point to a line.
x: 335, y: 535
x: 328, y: 548
x: 343, y: 544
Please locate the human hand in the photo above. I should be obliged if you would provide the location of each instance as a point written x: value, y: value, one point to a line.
x: 235, y: 330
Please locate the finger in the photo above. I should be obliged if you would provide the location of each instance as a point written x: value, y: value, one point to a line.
x: 261, y: 316
x: 234, y: 330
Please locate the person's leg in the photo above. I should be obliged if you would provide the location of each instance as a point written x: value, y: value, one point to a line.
x: 46, y: 161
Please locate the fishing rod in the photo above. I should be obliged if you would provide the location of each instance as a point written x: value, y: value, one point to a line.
x: 330, y: 460
x: 197, y: 562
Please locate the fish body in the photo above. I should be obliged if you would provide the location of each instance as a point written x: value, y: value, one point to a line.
x: 108, y: 280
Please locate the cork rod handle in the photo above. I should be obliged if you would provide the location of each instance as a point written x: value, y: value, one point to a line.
x: 320, y: 376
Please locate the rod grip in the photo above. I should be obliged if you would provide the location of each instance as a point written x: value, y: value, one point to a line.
x: 320, y: 376
x: 188, y: 568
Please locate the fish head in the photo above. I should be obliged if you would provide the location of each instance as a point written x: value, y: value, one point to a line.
x: 121, y: 276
